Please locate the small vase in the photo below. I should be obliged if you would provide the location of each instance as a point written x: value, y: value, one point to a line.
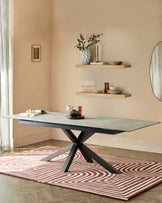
x: 85, y: 56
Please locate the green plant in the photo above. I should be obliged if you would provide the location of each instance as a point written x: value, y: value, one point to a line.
x: 84, y: 44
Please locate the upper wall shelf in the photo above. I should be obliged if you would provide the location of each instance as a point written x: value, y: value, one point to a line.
x: 102, y: 66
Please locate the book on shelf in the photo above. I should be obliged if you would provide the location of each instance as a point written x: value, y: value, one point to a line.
x: 99, y: 63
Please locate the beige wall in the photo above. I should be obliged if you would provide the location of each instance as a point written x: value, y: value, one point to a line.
x: 131, y: 29
x: 31, y: 80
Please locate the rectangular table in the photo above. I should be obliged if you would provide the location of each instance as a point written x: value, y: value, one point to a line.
x: 87, y: 127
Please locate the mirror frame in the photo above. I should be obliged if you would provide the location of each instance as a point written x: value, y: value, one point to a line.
x: 150, y: 70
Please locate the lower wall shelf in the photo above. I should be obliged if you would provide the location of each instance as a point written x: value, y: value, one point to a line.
x: 103, y: 94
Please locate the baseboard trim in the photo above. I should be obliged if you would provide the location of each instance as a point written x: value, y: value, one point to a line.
x: 115, y: 141
x: 32, y: 139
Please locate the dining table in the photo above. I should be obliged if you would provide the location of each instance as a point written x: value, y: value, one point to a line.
x: 87, y: 127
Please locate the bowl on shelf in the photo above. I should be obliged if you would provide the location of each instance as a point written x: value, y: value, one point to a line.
x: 118, y: 62
x: 114, y: 88
x: 114, y: 91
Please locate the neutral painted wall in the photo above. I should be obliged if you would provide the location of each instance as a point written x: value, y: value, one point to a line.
x: 31, y: 80
x: 131, y: 29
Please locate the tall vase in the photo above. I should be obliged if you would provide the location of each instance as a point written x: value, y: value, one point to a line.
x: 85, y: 56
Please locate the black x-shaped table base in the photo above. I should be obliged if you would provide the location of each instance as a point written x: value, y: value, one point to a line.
x: 88, y: 154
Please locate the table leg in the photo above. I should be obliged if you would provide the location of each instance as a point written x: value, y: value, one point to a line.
x: 61, y: 151
x: 82, y: 138
x: 101, y: 161
x: 88, y: 154
x: 85, y: 154
x: 69, y: 158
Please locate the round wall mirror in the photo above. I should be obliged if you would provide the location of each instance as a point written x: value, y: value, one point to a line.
x: 156, y: 71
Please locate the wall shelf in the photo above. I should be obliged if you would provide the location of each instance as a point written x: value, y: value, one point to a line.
x: 102, y: 66
x: 103, y: 94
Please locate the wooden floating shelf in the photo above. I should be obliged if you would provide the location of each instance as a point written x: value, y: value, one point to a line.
x: 102, y: 66
x: 103, y: 94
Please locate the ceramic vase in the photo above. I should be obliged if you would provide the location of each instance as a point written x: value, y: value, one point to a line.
x: 85, y: 56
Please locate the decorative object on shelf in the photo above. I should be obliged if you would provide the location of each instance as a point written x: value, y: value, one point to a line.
x: 106, y: 87
x: 114, y: 90
x: 118, y: 62
x: 99, y: 63
x: 97, y: 53
x: 85, y: 56
x: 88, y: 86
x: 84, y: 44
x: 36, y: 53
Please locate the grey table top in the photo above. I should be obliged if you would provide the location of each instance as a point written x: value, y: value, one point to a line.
x: 108, y: 123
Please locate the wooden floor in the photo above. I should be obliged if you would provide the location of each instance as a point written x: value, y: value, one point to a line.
x: 16, y: 190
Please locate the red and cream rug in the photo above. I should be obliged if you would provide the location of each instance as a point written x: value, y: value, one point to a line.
x: 137, y: 176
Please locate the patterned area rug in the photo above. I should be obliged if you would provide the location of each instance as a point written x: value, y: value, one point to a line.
x: 137, y: 176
